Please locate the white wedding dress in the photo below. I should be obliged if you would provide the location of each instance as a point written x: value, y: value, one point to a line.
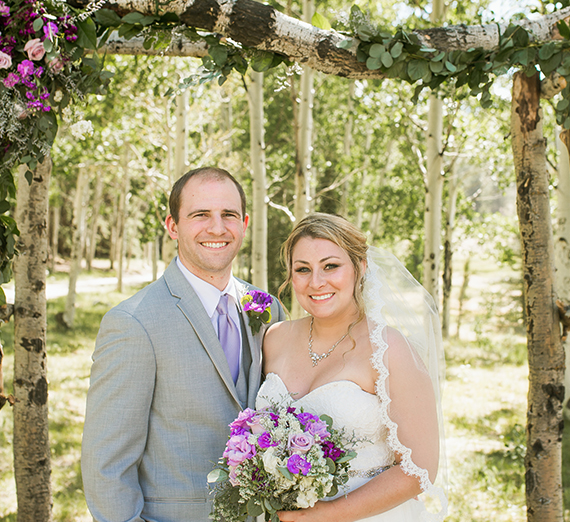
x: 358, y: 412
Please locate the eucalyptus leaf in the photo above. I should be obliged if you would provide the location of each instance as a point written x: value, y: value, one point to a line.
x: 219, y: 54
x: 373, y: 63
x: 346, y: 457
x: 562, y: 104
x: 326, y: 419
x: 547, y: 66
x: 397, y: 49
x: 365, y: 32
x: 345, y: 44
x: 435, y: 67
x: 331, y: 465
x: 217, y: 475
x: 417, y: 69
x: 450, y: 67
x: 567, y: 123
x: 376, y: 50
x: 38, y: 24
x: 254, y: 508
x: 285, y: 472
x: 387, y: 60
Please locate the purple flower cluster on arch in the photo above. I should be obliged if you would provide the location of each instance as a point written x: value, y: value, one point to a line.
x: 27, y: 32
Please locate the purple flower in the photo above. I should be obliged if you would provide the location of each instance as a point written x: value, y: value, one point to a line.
x: 274, y: 417
x: 26, y: 68
x: 11, y: 80
x: 300, y: 442
x: 314, y: 425
x: 240, y: 425
x: 264, y: 441
x: 297, y: 464
x: 50, y: 30
x: 331, y: 451
x: 238, y: 449
x: 259, y: 302
x: 4, y: 9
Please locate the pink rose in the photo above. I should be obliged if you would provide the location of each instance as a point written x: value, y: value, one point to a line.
x: 238, y: 449
x: 56, y: 65
x: 300, y: 442
x: 35, y: 49
x: 5, y: 60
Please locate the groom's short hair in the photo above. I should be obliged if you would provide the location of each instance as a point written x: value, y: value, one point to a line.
x: 205, y: 172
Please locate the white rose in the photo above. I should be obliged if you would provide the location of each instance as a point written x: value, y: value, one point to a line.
x: 270, y: 461
x: 307, y: 499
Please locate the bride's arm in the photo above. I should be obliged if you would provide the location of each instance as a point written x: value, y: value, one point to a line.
x: 413, y: 410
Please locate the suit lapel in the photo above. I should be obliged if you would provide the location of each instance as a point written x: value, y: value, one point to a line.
x: 191, y: 306
x: 254, y: 342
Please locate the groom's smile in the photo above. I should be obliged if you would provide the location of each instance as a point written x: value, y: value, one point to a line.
x: 210, y: 228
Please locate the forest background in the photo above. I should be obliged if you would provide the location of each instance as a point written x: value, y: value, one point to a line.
x: 116, y: 158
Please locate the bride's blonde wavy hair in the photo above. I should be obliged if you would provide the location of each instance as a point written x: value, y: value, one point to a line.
x: 339, y: 231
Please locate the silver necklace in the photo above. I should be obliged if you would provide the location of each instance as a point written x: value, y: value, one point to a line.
x: 316, y: 358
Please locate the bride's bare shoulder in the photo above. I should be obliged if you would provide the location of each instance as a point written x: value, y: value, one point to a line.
x: 283, y: 333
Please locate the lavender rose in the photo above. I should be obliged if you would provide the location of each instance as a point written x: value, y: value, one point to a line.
x: 240, y: 425
x: 5, y: 60
x: 238, y: 449
x: 35, y: 49
x: 300, y: 442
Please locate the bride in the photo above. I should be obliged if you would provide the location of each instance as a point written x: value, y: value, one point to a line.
x: 368, y: 355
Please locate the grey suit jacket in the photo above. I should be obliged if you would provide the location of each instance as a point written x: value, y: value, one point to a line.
x: 159, y: 404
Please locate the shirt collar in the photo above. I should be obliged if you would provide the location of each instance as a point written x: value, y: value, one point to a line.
x: 209, y: 295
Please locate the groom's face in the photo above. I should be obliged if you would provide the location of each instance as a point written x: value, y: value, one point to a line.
x: 210, y: 228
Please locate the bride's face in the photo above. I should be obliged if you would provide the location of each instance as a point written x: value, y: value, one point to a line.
x: 323, y: 278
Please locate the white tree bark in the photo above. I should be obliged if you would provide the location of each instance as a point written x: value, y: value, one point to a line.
x: 262, y: 27
x: 78, y: 233
x: 122, y: 217
x: 96, y: 209
x: 562, y: 249
x: 31, y: 436
x: 180, y: 162
x: 434, y: 184
x: 259, y: 203
x: 452, y: 187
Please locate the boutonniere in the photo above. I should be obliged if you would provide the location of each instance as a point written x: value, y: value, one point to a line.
x: 257, y: 305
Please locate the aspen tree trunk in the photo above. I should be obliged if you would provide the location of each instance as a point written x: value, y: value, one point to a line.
x: 545, y: 354
x: 347, y: 145
x: 96, y: 208
x: 304, y: 134
x: 453, y: 187
x: 259, y: 204
x: 122, y: 218
x: 78, y: 233
x: 463, y: 295
x: 434, y: 184
x: 32, y: 465
x: 54, y: 236
x: 562, y: 246
x: 180, y: 165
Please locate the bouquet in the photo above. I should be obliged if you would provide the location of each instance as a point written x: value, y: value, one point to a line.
x: 278, y: 458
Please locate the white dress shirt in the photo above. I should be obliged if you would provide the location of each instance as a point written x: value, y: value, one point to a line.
x: 210, y: 297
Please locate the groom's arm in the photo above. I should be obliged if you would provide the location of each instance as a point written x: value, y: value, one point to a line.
x: 116, y: 421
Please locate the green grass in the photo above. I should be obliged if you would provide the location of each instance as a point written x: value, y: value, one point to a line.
x: 484, y: 406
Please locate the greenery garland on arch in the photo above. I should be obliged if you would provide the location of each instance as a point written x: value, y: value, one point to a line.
x: 49, y: 61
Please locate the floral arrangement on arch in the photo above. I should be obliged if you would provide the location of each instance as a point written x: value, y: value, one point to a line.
x: 279, y: 458
x: 43, y: 67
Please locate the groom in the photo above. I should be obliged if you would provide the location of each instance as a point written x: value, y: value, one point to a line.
x: 164, y: 387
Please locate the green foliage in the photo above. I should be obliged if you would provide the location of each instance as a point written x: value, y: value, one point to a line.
x: 402, y: 55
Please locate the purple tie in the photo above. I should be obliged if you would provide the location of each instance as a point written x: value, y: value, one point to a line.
x: 229, y: 336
